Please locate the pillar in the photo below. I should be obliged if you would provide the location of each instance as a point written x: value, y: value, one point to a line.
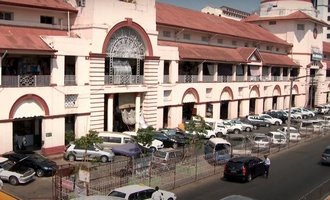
x: 286, y: 102
x: 200, y: 72
x: 57, y: 70
x: 174, y: 71
x: 137, y: 111
x: 201, y: 109
x: 268, y: 104
x: 0, y: 70
x: 244, y: 108
x: 175, y: 116
x: 259, y: 106
x: 216, y: 110
x: 281, y: 73
x: 234, y: 73
x: 233, y: 109
x: 110, y: 112
x: 280, y: 103
x: 245, y: 73
x: 215, y: 75
x: 161, y: 72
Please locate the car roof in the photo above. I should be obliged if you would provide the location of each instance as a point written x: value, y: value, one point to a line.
x: 3, y: 159
x: 218, y: 140
x: 132, y: 188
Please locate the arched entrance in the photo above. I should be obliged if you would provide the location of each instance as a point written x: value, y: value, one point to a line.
x: 276, y: 95
x: 189, y: 99
x: 226, y: 96
x: 254, y: 94
x: 27, y: 114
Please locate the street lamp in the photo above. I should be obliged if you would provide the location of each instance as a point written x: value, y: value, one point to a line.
x: 290, y: 98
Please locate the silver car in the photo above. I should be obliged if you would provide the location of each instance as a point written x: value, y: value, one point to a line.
x: 94, y: 152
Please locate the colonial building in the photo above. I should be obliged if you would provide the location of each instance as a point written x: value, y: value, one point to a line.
x: 75, y: 65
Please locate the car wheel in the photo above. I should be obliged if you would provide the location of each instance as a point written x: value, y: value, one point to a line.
x: 212, y: 136
x: 219, y: 135
x: 13, y: 180
x: 104, y: 159
x: 71, y: 158
x: 248, y: 129
x: 170, y: 199
x: 310, y: 115
x: 40, y: 173
x: 249, y: 178
x: 255, y: 127
x: 304, y: 117
x: 277, y: 123
x: 298, y: 117
x: 175, y: 145
x: 152, y: 149
x: 237, y: 131
x: 267, y: 125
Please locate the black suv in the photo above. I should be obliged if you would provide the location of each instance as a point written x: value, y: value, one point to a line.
x: 244, y: 168
x: 257, y: 121
x: 278, y: 114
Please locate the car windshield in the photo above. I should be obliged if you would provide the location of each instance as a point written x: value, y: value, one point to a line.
x: 160, y: 154
x: 279, y: 137
x: 7, y: 165
x: 117, y: 194
x: 235, y: 164
x: 327, y: 151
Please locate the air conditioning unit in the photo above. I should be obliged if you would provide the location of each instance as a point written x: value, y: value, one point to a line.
x: 81, y: 3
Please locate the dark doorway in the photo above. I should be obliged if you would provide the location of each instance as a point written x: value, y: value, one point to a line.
x: 165, y: 117
x: 118, y: 123
x: 274, y: 103
x: 69, y: 128
x: 252, y: 107
x: 27, y: 134
x: 188, y: 111
x: 224, y: 110
x: 311, y: 96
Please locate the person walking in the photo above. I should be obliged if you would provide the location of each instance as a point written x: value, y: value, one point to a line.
x: 157, y: 195
x: 267, y: 165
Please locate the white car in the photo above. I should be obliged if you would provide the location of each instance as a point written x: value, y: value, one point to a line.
x: 232, y: 127
x: 15, y: 173
x: 272, y: 120
x: 304, y: 112
x: 95, y: 152
x: 277, y: 138
x: 244, y: 126
x: 260, y: 141
x: 293, y: 134
x: 139, y: 192
x: 155, y: 144
x: 294, y: 115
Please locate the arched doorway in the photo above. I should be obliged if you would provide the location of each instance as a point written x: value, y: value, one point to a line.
x: 276, y: 94
x: 254, y: 94
x: 226, y: 97
x: 189, y: 99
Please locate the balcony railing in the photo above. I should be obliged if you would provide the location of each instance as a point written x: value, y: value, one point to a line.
x: 123, y: 79
x: 69, y: 80
x: 25, y: 81
x: 224, y: 79
x: 166, y: 79
x: 208, y: 79
x: 188, y: 79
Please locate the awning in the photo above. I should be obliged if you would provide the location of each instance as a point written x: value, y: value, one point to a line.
x: 26, y: 38
x: 280, y: 60
x: 204, y: 52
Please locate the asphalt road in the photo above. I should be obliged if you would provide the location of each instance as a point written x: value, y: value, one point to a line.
x: 293, y: 173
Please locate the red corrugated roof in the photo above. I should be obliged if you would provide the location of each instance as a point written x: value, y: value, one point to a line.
x: 326, y: 47
x: 26, y: 38
x: 298, y: 15
x: 202, y: 52
x: 246, y: 52
x: 60, y: 5
x: 277, y: 60
x: 170, y: 15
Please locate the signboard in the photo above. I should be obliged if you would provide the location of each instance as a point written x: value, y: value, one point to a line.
x: 316, y: 54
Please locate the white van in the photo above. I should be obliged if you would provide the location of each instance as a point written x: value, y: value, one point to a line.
x: 112, y: 139
x: 277, y: 138
x: 217, y: 150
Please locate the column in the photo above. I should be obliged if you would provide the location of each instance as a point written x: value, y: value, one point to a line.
x: 174, y: 71
x: 233, y: 109
x: 244, y: 108
x: 246, y: 73
x: 201, y: 109
x: 289, y: 73
x: 259, y: 106
x: 234, y: 73
x: 215, y: 75
x: 268, y: 104
x: 200, y: 72
x: 280, y: 103
x: 216, y: 110
x: 270, y: 73
x: 281, y: 73
x: 175, y: 116
x: 110, y: 112
x: 286, y: 102
x: 137, y: 111
x: 161, y: 72
x: 0, y: 70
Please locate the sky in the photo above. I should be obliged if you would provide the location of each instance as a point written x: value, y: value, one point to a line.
x: 243, y: 5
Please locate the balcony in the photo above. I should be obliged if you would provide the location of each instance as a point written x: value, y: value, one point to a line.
x: 69, y: 80
x: 188, y: 79
x: 123, y: 79
x: 25, y: 81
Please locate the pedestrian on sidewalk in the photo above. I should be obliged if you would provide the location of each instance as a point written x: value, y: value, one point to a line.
x: 157, y: 195
x: 267, y: 165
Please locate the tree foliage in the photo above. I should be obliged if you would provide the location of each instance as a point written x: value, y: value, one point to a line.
x: 145, y: 135
x: 87, y: 141
x: 198, y: 129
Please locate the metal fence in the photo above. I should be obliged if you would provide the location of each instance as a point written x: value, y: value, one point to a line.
x: 102, y: 178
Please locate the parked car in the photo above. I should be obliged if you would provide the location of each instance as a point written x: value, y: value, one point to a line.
x: 217, y: 150
x: 244, y: 168
x: 217, y: 126
x: 325, y: 158
x: 40, y: 164
x: 129, y: 149
x: 293, y: 135
x: 112, y: 139
x: 322, y: 110
x: 131, y: 192
x: 167, y: 157
x: 295, y: 115
x: 277, y: 138
x: 272, y: 120
x: 260, y: 142
x: 154, y: 146
x: 15, y: 173
x: 232, y: 127
x: 304, y: 112
x: 279, y: 114
x: 169, y: 141
x: 95, y: 152
x: 240, y: 144
x: 245, y: 126
x: 257, y: 121
x: 177, y: 133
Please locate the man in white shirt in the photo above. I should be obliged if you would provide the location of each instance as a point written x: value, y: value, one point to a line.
x: 267, y: 165
x: 157, y: 195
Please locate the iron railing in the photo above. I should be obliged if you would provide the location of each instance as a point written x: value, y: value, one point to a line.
x: 25, y: 81
x: 123, y: 79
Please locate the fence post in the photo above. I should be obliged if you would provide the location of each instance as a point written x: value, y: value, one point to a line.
x: 195, y: 165
x: 174, y: 175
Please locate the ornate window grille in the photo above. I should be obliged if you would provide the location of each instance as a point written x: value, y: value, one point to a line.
x: 71, y: 100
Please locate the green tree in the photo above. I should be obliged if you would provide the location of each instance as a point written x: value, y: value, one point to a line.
x: 87, y: 141
x: 145, y: 136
